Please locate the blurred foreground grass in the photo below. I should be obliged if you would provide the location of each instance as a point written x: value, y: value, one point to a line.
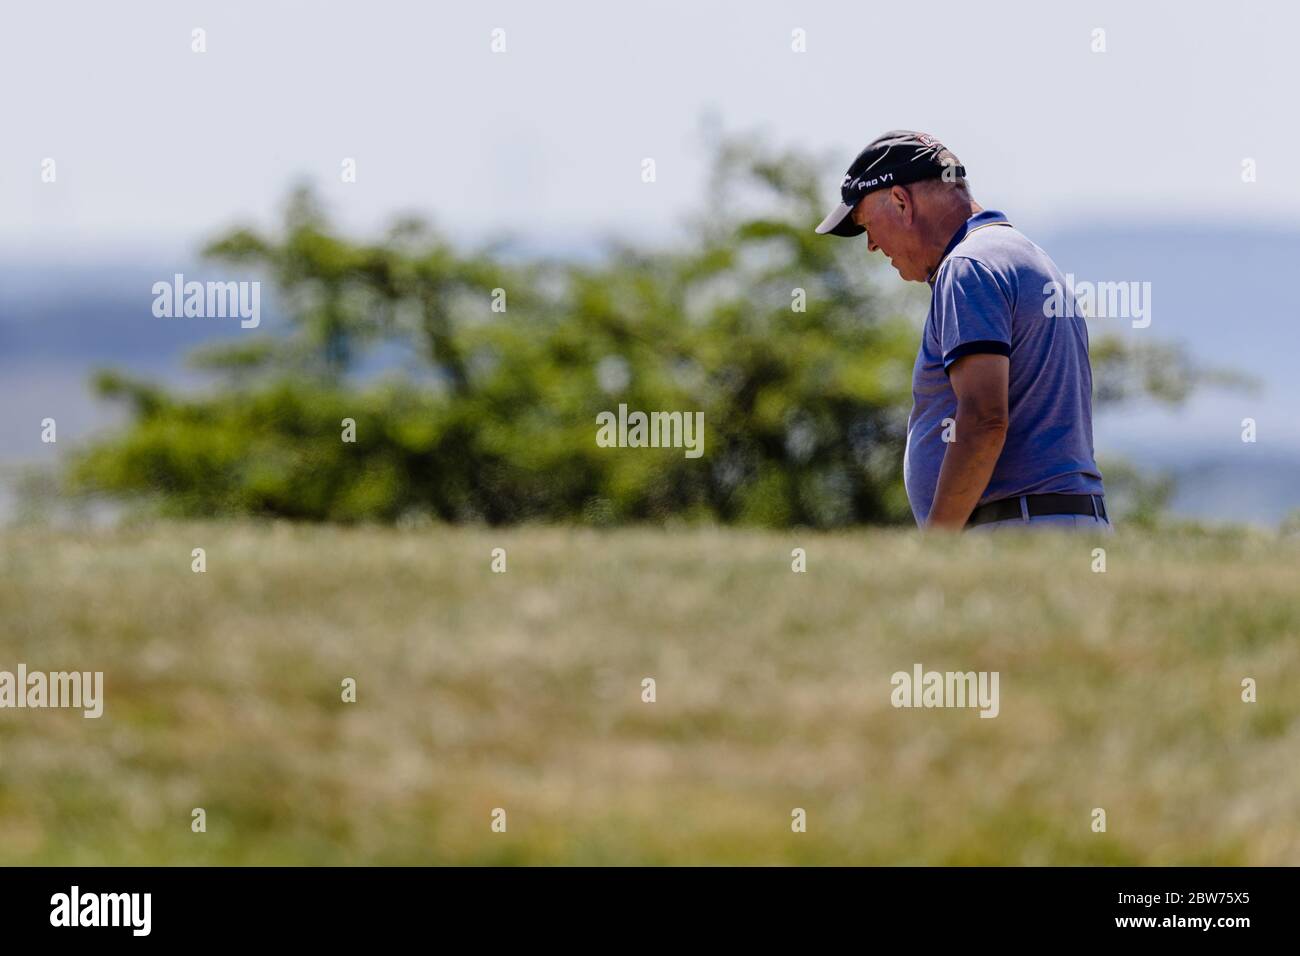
x: 523, y: 691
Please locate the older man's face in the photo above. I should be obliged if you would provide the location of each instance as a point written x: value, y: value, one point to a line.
x: 888, y: 217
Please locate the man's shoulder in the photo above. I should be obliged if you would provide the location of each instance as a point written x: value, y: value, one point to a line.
x: 1001, y: 252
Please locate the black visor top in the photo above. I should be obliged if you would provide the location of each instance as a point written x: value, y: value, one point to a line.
x: 897, y: 158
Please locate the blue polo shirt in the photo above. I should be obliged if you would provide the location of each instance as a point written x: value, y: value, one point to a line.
x: 988, y: 295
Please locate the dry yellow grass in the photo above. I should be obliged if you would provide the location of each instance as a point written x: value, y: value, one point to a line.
x: 523, y: 691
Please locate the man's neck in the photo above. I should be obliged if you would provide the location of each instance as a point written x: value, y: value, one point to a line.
x: 946, y: 227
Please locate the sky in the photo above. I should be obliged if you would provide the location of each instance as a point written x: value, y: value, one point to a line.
x: 156, y: 143
x: 1125, y: 163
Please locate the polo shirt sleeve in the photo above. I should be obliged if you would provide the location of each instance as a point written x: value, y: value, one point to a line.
x: 972, y: 313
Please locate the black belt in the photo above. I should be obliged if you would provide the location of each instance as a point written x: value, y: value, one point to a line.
x: 1005, y: 509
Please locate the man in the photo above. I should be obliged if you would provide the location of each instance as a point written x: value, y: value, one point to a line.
x: 1000, y: 433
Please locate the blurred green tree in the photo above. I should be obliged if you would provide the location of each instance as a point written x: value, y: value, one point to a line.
x: 782, y: 339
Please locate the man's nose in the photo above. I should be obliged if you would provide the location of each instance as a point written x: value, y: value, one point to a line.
x: 872, y: 245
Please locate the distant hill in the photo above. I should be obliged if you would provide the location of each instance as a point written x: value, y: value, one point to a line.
x: 1223, y: 293
x: 1256, y: 490
x: 1220, y: 292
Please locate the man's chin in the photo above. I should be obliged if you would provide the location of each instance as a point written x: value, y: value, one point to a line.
x: 902, y: 272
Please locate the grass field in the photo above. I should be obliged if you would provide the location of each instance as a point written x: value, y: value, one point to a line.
x: 523, y: 690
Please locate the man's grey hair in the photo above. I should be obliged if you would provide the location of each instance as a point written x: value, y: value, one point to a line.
x: 959, y: 185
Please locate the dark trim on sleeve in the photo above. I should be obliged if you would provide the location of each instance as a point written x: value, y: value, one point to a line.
x: 982, y: 346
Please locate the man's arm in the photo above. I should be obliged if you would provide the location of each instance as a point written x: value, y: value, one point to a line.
x: 980, y: 383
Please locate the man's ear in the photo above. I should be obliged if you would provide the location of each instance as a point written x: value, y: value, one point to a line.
x: 902, y: 202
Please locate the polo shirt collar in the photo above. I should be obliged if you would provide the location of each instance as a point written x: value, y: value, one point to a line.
x: 985, y: 218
